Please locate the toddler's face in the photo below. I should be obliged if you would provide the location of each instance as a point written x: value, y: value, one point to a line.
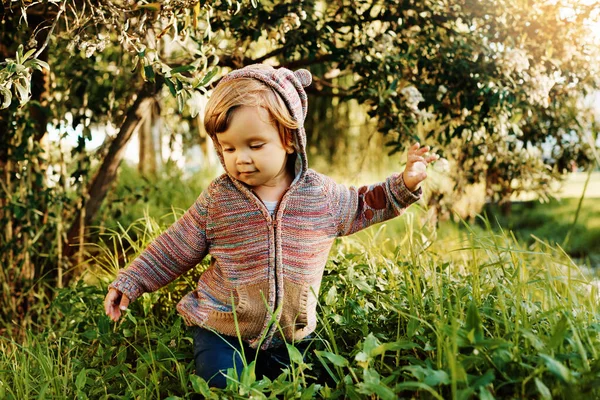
x: 252, y: 149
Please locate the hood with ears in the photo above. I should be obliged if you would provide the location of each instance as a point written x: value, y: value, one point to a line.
x: 289, y: 85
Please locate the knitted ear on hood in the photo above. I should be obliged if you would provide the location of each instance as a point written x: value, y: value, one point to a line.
x: 304, y: 77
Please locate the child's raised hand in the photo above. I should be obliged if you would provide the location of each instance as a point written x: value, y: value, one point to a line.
x: 417, y: 161
x: 114, y: 302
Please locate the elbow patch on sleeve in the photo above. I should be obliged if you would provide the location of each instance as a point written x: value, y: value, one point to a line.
x: 374, y: 198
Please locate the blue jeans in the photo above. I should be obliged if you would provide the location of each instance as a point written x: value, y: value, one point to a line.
x: 214, y: 354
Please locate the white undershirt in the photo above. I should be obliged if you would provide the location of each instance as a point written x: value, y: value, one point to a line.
x: 271, y: 206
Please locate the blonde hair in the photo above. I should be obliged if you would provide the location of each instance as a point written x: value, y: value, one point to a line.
x: 228, y: 96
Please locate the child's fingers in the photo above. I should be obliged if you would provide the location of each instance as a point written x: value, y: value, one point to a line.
x: 114, y: 302
x: 124, y: 302
x: 110, y: 301
x: 423, y: 150
x: 414, y: 157
x: 432, y: 158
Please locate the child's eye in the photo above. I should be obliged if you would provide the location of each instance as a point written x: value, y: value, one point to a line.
x: 257, y: 146
x: 228, y: 150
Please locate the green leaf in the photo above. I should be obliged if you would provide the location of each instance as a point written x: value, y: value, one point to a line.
x: 149, y: 72
x: 436, y: 377
x: 27, y: 55
x: 335, y: 359
x: 112, y: 372
x: 20, y: 54
x: 90, y: 334
x: 560, y: 332
x: 23, y: 90
x: 183, y: 68
x: 7, y: 95
x: 484, y: 380
x: 543, y: 390
x: 331, y: 296
x: 362, y: 285
x: 208, y: 77
x: 412, y: 327
x: 38, y: 64
x: 130, y: 316
x: 309, y: 392
x: 485, y: 394
x: 294, y: 353
x: 431, y: 377
x: 474, y: 325
x: 80, y: 380
x: 395, y: 346
x: 103, y: 324
x: 414, y: 386
x: 171, y: 87
x: 535, y: 341
x: 557, y: 368
x: 180, y: 102
x: 200, y: 386
x: 379, y: 389
x: 370, y: 344
x: 248, y: 376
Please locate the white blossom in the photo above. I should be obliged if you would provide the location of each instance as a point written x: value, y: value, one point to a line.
x: 441, y: 165
x: 90, y: 50
x: 540, y: 86
x: 413, y: 98
x: 515, y: 60
x: 442, y: 90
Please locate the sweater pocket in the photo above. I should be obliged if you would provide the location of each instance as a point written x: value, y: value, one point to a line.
x: 299, y: 315
x: 223, y: 303
x: 307, y: 319
x: 246, y: 314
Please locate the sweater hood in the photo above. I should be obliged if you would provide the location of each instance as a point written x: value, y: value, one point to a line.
x: 289, y: 85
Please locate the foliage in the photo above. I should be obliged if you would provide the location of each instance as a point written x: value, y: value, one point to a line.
x: 480, y: 317
x: 135, y: 195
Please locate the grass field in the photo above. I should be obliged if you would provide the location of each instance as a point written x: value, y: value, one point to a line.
x: 555, y: 222
x: 416, y: 314
x: 573, y: 186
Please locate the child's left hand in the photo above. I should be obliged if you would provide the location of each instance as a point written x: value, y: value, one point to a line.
x: 414, y: 173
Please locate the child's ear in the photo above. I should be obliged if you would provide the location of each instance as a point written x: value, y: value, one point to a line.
x: 290, y: 148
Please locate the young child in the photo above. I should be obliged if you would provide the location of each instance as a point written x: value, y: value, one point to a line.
x: 268, y: 223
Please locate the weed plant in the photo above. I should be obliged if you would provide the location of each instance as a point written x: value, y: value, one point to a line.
x: 407, y: 315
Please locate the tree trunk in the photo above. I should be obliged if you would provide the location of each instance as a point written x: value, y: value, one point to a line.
x: 107, y: 172
x: 149, y: 141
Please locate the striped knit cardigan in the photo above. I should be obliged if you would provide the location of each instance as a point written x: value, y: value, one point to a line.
x: 262, y: 267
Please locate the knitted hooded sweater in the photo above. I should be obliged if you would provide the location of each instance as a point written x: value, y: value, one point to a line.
x: 263, y: 268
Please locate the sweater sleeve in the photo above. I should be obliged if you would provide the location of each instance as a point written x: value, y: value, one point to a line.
x: 358, y: 208
x: 182, y: 246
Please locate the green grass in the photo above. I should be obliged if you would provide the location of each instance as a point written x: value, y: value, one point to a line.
x: 405, y: 311
x: 134, y: 196
x: 552, y: 221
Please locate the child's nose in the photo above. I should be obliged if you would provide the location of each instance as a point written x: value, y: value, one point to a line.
x: 243, y: 158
